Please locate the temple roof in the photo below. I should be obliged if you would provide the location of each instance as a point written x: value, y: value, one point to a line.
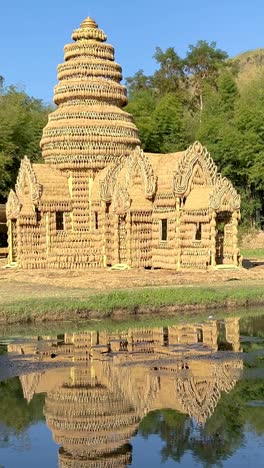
x: 198, y: 198
x: 164, y: 166
x: 53, y: 182
x: 89, y: 127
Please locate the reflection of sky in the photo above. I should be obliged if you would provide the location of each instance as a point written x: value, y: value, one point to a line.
x: 38, y: 451
x: 146, y: 453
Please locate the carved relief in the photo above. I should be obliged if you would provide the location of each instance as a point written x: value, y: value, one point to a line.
x: 224, y: 196
x: 121, y: 200
x: 196, y: 153
x: 27, y: 178
x: 136, y: 159
x: 13, y: 206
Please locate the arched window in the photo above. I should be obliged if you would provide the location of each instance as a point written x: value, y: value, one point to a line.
x: 96, y: 220
x: 60, y: 221
x: 164, y: 230
x: 198, y: 232
x: 38, y: 215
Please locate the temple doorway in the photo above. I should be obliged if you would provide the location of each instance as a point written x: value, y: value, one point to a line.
x: 109, y: 229
x: 223, y: 238
x: 122, y: 239
x: 141, y: 236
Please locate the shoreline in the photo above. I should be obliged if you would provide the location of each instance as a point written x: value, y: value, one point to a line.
x: 129, y: 303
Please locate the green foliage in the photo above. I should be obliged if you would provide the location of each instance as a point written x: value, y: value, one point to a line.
x: 22, y: 119
x: 168, y: 125
x: 169, y: 77
x: 228, y: 91
x: 253, y: 253
x: 15, y: 412
x: 203, y: 64
x: 222, y: 434
x: 129, y: 301
x: 197, y: 98
x: 142, y: 107
x: 139, y: 82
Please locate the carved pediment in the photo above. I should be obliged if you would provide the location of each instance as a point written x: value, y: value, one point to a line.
x: 224, y: 196
x: 107, y: 185
x: 196, y: 161
x: 149, y: 178
x: 125, y: 173
x: 136, y: 164
x: 27, y: 182
x: 13, y: 206
x: 121, y: 200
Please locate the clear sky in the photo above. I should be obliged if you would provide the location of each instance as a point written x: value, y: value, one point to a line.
x: 33, y: 32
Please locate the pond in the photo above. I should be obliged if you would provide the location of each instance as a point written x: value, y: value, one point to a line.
x: 145, y: 393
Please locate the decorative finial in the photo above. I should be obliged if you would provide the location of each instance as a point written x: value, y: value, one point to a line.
x: 89, y: 23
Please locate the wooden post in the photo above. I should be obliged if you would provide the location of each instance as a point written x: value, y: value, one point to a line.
x: 10, y: 241
x: 47, y: 234
x: 104, y: 236
x: 213, y: 238
x: 177, y: 233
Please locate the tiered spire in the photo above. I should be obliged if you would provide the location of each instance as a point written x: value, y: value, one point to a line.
x: 92, y: 421
x: 89, y: 128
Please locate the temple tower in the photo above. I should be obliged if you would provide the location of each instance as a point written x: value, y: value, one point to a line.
x: 89, y: 129
x: 92, y: 420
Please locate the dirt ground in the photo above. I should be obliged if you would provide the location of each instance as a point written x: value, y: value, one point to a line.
x: 16, y: 283
x: 254, y: 240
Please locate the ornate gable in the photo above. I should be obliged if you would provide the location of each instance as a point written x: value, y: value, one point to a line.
x: 224, y: 196
x: 198, y: 397
x: 13, y: 206
x: 27, y: 182
x: 150, y: 180
x: 195, y: 164
x: 108, y: 183
x: 136, y: 164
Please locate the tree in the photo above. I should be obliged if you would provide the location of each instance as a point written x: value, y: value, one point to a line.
x: 169, y: 78
x: 22, y: 119
x: 142, y: 106
x: 203, y: 63
x: 15, y: 412
x: 139, y: 82
x: 169, y: 134
x: 228, y: 91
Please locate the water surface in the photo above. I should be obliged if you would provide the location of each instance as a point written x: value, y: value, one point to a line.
x: 148, y: 394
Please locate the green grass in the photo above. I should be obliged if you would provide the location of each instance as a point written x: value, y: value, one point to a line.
x: 253, y: 253
x: 147, y: 300
x: 184, y: 296
x: 120, y: 324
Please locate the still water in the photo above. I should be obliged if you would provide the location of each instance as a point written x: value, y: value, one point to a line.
x: 144, y: 394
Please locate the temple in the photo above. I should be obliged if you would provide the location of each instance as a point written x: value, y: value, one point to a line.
x: 98, y: 200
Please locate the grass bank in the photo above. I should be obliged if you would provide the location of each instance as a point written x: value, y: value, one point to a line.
x: 119, y: 324
x: 252, y: 253
x: 119, y: 303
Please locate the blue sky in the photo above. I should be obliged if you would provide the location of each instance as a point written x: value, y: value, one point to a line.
x: 33, y: 33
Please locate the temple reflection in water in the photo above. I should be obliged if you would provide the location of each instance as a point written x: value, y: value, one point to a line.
x: 95, y: 404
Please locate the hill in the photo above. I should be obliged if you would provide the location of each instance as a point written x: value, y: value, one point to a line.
x: 250, y: 66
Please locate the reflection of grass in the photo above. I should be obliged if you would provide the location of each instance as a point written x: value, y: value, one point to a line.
x: 147, y: 300
x: 252, y: 253
x: 123, y: 323
x: 250, y: 347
